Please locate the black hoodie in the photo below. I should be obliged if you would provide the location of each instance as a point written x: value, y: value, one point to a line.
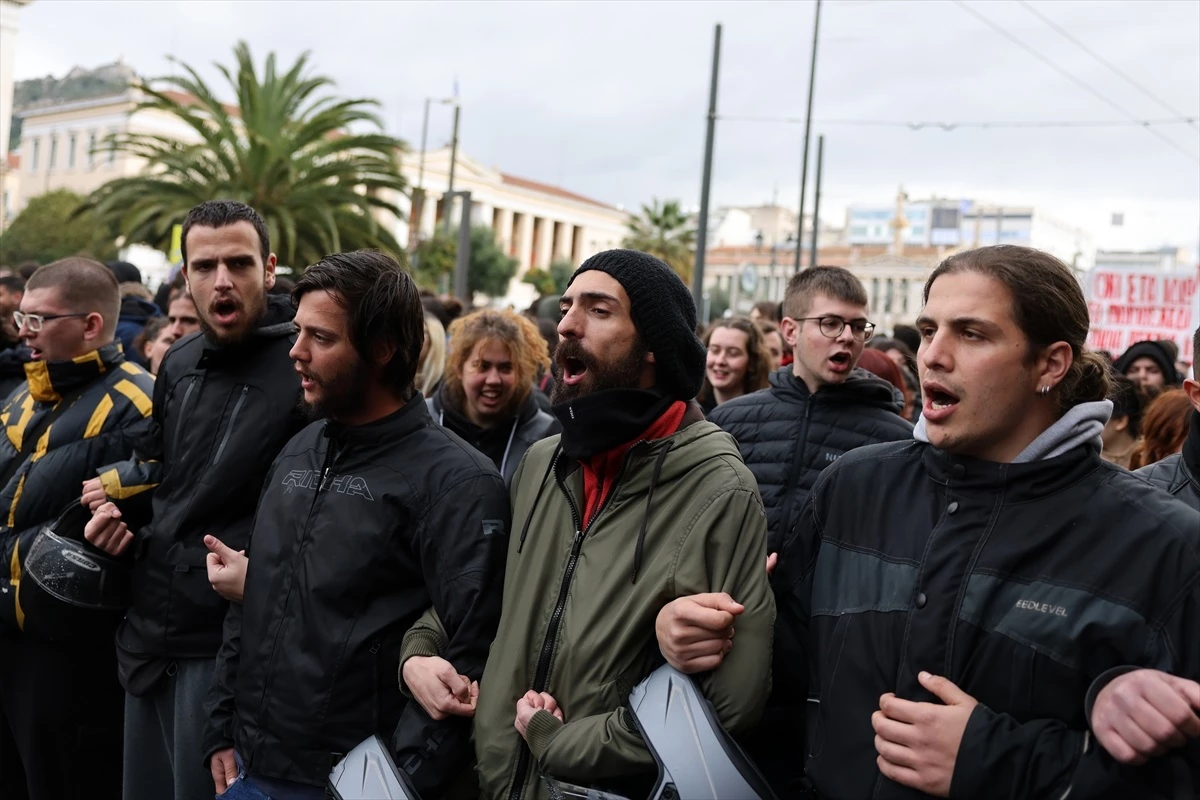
x: 222, y: 415
x: 787, y: 435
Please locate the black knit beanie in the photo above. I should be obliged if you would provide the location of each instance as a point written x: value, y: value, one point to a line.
x: 1154, y: 351
x: 664, y: 313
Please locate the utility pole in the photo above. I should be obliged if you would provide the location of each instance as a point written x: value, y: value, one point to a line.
x: 812, y: 76
x: 812, y: 262
x: 453, y: 160
x: 462, y: 261
x: 706, y: 181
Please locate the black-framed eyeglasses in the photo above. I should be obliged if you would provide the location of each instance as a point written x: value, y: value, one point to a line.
x: 36, y: 321
x: 832, y: 327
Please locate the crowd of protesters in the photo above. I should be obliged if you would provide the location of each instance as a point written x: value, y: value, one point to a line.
x: 342, y: 507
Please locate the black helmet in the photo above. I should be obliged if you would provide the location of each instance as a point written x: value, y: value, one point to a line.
x: 69, y: 584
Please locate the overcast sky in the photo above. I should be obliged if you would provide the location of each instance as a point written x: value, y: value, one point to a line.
x: 609, y: 99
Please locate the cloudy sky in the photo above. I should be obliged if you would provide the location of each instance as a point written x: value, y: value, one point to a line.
x: 609, y: 99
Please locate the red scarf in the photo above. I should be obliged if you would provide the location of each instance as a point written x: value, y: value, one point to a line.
x: 600, y: 471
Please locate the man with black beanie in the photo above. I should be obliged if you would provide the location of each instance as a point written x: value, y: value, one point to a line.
x: 1180, y: 474
x: 640, y: 500
x: 1148, y: 364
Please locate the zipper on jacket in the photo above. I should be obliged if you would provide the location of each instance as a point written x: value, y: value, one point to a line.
x: 541, y: 675
x: 183, y: 409
x: 327, y: 465
x: 793, y: 485
x: 237, y: 407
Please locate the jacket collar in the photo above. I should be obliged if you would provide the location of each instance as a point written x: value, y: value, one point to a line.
x: 859, y: 388
x: 50, y: 380
x: 411, y: 416
x: 1018, y: 482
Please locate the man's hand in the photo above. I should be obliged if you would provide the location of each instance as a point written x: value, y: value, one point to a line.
x: 93, y: 494
x: 440, y: 690
x: 1145, y: 713
x: 106, y: 531
x: 772, y: 562
x: 695, y: 633
x: 918, y: 742
x: 224, y: 769
x: 226, y: 569
x: 530, y: 704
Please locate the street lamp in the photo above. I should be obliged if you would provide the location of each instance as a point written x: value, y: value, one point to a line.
x: 445, y: 101
x: 418, y: 197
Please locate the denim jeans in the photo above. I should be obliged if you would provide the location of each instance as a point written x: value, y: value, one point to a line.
x: 242, y: 789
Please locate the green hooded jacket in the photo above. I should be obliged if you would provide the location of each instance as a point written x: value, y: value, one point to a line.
x: 579, y: 608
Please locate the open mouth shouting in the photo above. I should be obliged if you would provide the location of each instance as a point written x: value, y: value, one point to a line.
x: 939, y: 402
x: 840, y: 362
x: 225, y: 311
x: 573, y: 370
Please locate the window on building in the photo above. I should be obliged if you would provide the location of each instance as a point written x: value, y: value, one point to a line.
x: 34, y: 152
x: 874, y: 292
x: 917, y: 231
x: 71, y: 151
x: 887, y: 302
x: 91, y: 153
x: 112, y: 149
x: 858, y: 231
x: 904, y: 295
x: 53, y: 152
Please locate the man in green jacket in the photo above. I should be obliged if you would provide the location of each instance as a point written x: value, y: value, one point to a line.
x: 639, y: 501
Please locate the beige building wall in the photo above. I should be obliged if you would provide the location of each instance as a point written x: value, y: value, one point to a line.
x: 535, y: 223
x: 63, y: 145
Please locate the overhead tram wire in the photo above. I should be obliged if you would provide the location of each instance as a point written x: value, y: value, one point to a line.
x: 1066, y: 35
x: 950, y: 126
x: 1078, y: 82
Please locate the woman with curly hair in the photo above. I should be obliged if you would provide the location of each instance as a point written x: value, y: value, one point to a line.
x: 738, y: 361
x: 486, y: 396
x: 1164, y: 428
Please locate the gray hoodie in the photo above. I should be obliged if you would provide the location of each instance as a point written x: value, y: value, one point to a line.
x: 1079, y: 425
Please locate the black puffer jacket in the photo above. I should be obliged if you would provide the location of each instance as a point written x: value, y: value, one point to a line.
x: 67, y: 421
x: 221, y: 415
x: 787, y: 435
x: 1180, y: 474
x: 506, y: 443
x: 1022, y: 583
x: 407, y: 516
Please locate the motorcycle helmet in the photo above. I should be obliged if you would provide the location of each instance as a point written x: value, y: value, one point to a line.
x: 69, y: 586
x: 368, y: 773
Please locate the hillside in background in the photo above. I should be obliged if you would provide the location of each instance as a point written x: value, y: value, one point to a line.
x: 78, y: 84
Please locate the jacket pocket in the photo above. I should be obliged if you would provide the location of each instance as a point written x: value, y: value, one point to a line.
x: 237, y: 409
x: 814, y: 712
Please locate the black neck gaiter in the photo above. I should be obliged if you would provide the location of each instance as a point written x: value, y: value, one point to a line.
x: 606, y: 419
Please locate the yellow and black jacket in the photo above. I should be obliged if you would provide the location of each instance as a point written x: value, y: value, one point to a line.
x: 69, y: 419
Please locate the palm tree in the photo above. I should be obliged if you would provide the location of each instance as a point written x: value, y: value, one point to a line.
x: 666, y: 232
x: 284, y: 150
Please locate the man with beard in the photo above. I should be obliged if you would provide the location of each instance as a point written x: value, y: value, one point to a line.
x: 487, y: 396
x: 638, y: 501
x: 366, y: 519
x: 954, y: 649
x: 1180, y: 474
x: 225, y: 402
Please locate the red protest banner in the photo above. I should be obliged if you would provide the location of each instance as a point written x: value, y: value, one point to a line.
x: 1131, y: 305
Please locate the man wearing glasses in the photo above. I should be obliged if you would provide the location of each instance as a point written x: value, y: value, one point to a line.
x: 81, y: 406
x: 816, y: 409
x: 820, y: 406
